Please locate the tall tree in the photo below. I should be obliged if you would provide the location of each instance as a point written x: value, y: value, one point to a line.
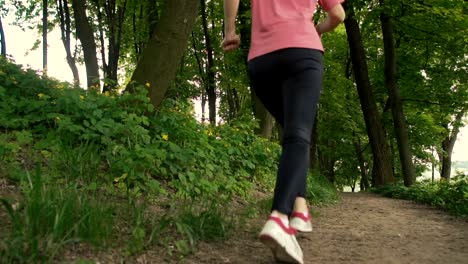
x: 362, y: 164
x: 377, y: 138
x: 63, y: 12
x: 161, y: 58
x: 45, y: 30
x: 448, y: 144
x: 85, y: 34
x: 113, y: 20
x: 2, y: 39
x: 399, y: 123
x: 210, y: 76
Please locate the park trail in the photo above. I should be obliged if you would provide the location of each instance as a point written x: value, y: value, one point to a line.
x: 361, y: 228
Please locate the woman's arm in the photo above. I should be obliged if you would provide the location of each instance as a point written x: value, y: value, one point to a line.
x: 335, y: 16
x: 231, y: 39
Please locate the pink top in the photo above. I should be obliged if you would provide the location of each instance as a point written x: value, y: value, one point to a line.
x: 279, y: 24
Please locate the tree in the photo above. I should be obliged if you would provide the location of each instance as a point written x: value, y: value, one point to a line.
x: 399, y: 122
x: 63, y: 12
x: 210, y: 76
x: 448, y: 144
x: 2, y: 39
x: 85, y: 34
x: 113, y: 20
x: 45, y: 30
x: 382, y: 165
x: 160, y: 60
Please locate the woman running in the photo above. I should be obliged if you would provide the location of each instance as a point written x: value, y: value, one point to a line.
x: 285, y: 66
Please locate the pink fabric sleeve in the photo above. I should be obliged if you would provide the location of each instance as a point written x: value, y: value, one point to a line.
x: 329, y: 4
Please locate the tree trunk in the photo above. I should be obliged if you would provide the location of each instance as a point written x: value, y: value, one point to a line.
x: 369, y: 107
x: 210, y: 76
x: 85, y: 34
x: 399, y: 122
x: 2, y: 39
x: 65, y: 28
x: 447, y: 146
x: 45, y: 27
x: 327, y: 163
x: 362, y: 165
x: 161, y: 58
x: 260, y: 112
x: 233, y: 102
x: 115, y: 14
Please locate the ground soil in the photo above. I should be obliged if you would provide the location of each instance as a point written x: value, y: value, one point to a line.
x: 361, y: 228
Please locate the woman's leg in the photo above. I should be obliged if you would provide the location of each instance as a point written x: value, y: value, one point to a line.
x: 288, y: 82
x: 301, y: 92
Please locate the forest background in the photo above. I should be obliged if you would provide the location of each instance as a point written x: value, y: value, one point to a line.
x: 393, y: 103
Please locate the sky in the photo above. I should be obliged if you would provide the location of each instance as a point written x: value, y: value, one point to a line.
x: 19, y: 46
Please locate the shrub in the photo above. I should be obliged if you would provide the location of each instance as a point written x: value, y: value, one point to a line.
x: 452, y: 196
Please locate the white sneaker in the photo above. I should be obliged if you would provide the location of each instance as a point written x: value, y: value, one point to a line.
x: 282, y: 241
x: 301, y: 222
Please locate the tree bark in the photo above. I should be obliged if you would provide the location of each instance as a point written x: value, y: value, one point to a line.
x: 85, y: 34
x: 210, y: 84
x: 399, y: 122
x: 369, y: 107
x: 45, y: 27
x: 161, y: 58
x: 2, y: 39
x: 65, y: 28
x: 447, y: 146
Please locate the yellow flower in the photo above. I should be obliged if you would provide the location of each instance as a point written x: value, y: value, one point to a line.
x: 40, y: 95
x: 148, y: 85
x: 165, y: 137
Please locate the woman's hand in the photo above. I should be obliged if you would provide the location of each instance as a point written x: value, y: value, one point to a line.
x: 230, y: 42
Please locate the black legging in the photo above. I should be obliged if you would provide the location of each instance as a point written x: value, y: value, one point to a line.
x: 288, y: 82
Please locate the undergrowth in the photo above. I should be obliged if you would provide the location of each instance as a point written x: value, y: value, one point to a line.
x: 451, y: 196
x: 92, y: 166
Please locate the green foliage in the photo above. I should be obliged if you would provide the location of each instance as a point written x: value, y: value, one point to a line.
x: 320, y: 191
x: 207, y: 223
x: 119, y: 139
x: 85, y: 143
x: 51, y: 217
x: 452, y: 196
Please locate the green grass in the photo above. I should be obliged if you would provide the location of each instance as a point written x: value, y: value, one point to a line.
x: 320, y: 191
x: 50, y: 217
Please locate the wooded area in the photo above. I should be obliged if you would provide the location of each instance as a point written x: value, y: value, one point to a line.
x: 124, y: 160
x: 404, y: 61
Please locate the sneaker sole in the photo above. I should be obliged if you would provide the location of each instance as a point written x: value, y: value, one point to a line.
x: 279, y: 252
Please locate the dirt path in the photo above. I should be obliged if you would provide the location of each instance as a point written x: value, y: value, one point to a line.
x: 362, y: 228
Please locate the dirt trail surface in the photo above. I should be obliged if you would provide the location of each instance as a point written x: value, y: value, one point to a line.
x: 362, y: 228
